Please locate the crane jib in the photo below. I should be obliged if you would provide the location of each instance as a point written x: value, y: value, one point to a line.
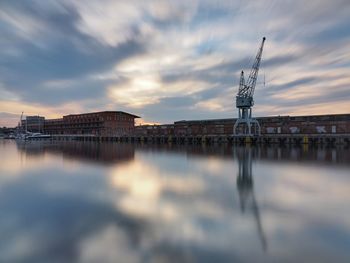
x: 246, y: 89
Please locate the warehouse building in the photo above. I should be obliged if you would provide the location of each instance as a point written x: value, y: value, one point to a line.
x: 315, y: 124
x: 105, y: 123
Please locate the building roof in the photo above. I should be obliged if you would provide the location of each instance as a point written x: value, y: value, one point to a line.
x: 135, y: 116
x: 205, y: 120
x: 57, y: 119
x: 335, y: 116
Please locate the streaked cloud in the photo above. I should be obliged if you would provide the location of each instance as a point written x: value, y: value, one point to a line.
x: 167, y: 60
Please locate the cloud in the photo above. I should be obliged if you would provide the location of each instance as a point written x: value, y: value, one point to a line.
x: 136, y: 56
x: 8, y: 119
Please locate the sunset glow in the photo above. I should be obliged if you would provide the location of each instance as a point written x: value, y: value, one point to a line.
x: 171, y: 60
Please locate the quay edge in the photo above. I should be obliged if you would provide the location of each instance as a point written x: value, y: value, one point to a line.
x: 280, y: 139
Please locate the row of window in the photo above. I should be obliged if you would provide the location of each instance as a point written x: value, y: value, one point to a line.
x: 98, y: 118
x: 316, y: 129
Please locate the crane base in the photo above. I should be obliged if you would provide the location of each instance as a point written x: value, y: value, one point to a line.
x: 246, y: 125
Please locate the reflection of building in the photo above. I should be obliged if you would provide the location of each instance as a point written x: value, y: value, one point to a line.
x: 105, y: 123
x: 33, y: 123
x: 246, y: 190
x: 104, y: 153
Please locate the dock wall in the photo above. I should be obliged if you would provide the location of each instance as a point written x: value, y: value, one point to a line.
x: 282, y: 139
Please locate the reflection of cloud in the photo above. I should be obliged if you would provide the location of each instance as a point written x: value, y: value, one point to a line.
x: 141, y: 179
x: 173, y: 203
x: 20, y: 245
x: 13, y: 162
x: 145, y: 185
x: 108, y: 245
x: 180, y: 207
x: 49, y: 212
x: 306, y: 192
x: 138, y: 181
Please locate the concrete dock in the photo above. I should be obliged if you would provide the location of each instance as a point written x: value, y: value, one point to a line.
x: 281, y: 139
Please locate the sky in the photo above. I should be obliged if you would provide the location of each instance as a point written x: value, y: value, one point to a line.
x: 172, y: 60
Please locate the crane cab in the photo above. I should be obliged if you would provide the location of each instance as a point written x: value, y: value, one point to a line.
x: 244, y: 102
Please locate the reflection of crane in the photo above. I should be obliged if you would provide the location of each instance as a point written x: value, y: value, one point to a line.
x: 20, y: 120
x: 246, y: 191
x: 20, y: 125
x: 244, y: 98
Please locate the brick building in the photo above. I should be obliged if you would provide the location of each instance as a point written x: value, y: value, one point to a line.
x: 155, y: 130
x: 315, y: 124
x: 105, y: 123
x: 54, y: 126
x: 204, y: 127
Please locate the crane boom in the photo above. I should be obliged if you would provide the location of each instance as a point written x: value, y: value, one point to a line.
x: 247, y: 89
x: 255, y: 69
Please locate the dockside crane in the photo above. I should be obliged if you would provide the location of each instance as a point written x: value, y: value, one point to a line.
x: 245, y: 101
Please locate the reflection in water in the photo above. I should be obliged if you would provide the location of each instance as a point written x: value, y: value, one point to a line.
x: 104, y: 153
x: 109, y: 153
x: 246, y: 190
x: 104, y: 202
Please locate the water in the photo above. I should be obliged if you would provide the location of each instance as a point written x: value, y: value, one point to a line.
x: 87, y: 202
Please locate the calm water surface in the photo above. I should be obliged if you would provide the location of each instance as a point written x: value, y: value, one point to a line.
x: 88, y: 202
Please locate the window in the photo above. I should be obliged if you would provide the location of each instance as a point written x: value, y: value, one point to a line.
x: 270, y: 130
x: 321, y: 129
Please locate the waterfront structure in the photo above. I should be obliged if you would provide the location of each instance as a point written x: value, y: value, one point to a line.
x: 244, y: 100
x: 118, y: 125
x: 155, y: 130
x: 104, y: 123
x: 33, y: 124
x: 293, y: 125
x: 54, y: 126
x: 5, y: 131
